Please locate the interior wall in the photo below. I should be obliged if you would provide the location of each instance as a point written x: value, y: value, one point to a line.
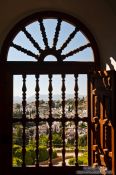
x: 98, y: 16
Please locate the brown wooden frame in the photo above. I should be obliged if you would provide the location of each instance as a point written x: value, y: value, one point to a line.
x: 8, y: 69
x: 102, y: 115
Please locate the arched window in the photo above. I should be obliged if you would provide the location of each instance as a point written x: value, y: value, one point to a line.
x: 49, y: 55
x: 44, y: 34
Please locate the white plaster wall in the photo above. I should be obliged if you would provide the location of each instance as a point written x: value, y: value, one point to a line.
x: 97, y: 15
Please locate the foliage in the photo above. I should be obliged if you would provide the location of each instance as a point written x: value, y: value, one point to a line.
x: 82, y: 140
x: 70, y: 102
x: 43, y: 153
x: 17, y: 114
x: 81, y: 100
x: 17, y: 161
x: 18, y: 106
x: 54, y: 154
x: 70, y: 142
x: 17, y: 151
x: 71, y: 161
x: 43, y: 140
x: 30, y: 154
x: 56, y: 140
x: 17, y: 136
x: 17, y: 155
x: 82, y: 160
x: 83, y: 148
x: 83, y: 125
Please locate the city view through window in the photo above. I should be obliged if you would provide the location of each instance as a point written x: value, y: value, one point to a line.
x: 50, y: 124
x: 43, y: 127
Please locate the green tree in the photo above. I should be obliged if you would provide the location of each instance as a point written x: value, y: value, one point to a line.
x: 82, y: 160
x: 17, y: 155
x: 83, y: 125
x: 17, y: 136
x: 43, y: 140
x: 70, y: 142
x: 83, y: 140
x: 17, y: 114
x: 56, y: 140
x: 30, y: 155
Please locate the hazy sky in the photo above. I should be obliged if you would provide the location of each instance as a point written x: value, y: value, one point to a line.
x: 77, y: 41
x: 56, y: 83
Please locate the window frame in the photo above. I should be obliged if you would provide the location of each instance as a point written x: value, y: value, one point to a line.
x: 10, y: 68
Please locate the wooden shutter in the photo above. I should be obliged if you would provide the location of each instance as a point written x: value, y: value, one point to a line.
x: 102, y: 113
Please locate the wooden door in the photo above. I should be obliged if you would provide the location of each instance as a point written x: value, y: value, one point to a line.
x: 102, y: 118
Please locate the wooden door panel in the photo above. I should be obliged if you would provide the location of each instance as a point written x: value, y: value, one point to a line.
x: 101, y: 113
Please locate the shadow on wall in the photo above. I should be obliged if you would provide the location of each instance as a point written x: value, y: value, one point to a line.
x: 112, y: 65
